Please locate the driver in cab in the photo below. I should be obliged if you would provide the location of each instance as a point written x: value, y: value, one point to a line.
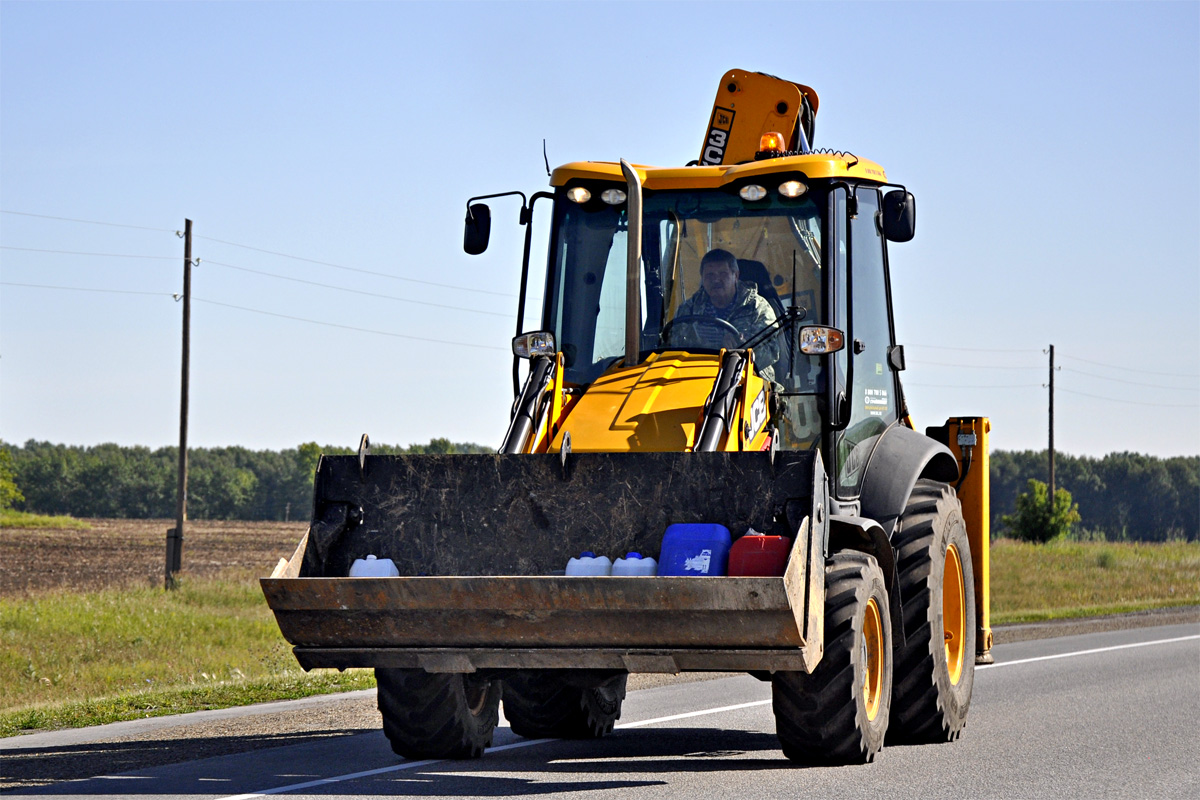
x: 723, y: 297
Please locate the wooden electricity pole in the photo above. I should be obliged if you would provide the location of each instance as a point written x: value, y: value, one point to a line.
x: 1050, y: 499
x: 175, y: 535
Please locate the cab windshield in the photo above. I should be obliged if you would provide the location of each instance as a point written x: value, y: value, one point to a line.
x: 775, y: 243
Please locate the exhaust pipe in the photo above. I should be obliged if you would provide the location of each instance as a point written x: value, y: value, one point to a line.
x: 633, y: 266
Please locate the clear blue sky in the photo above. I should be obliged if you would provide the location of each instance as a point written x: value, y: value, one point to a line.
x: 1054, y: 150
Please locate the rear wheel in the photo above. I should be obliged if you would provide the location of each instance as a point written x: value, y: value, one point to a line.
x: 935, y: 668
x: 429, y: 715
x: 545, y: 704
x: 839, y: 713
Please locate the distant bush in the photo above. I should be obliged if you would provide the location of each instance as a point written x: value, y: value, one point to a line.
x: 9, y: 493
x: 114, y: 481
x: 1036, y: 520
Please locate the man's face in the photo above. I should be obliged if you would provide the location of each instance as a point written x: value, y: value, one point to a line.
x: 720, y: 281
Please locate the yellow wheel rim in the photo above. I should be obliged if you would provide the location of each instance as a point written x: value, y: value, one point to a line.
x: 954, y: 622
x: 872, y: 659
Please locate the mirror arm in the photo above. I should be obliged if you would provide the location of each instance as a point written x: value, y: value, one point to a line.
x: 526, y: 220
x: 524, y: 201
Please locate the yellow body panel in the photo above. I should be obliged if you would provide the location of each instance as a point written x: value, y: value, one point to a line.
x: 654, y: 407
x: 974, y: 494
x: 651, y: 407
x: 824, y: 165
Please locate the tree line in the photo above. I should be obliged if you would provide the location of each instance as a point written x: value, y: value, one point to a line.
x: 1120, y: 496
x: 114, y: 481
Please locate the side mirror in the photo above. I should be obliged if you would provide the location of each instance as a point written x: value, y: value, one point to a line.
x: 537, y: 343
x: 817, y: 340
x: 899, y: 216
x: 478, y: 229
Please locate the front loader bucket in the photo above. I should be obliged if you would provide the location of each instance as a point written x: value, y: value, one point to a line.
x: 478, y: 540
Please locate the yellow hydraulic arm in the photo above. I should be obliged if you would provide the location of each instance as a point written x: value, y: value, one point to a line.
x: 750, y: 104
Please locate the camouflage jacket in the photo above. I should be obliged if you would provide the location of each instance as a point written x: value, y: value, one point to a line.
x: 749, y: 313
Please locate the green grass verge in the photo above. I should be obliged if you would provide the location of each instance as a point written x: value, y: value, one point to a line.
x: 1033, y: 582
x: 76, y: 659
x: 163, y: 702
x: 22, y: 519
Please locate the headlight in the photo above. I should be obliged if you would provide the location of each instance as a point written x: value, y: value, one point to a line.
x: 753, y: 192
x: 614, y: 197
x: 792, y: 188
x: 579, y: 194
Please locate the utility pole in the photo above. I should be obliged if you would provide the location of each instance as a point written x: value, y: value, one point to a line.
x: 175, y: 535
x: 1050, y: 499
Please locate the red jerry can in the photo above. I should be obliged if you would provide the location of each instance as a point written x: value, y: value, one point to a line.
x: 759, y: 555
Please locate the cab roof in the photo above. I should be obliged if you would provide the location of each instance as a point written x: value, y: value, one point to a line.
x: 816, y: 165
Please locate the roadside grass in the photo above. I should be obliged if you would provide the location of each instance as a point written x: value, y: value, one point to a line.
x: 71, y: 659
x: 23, y: 519
x: 1032, y: 582
x: 74, y: 659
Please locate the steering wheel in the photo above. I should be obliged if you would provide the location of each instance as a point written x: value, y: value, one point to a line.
x: 700, y: 319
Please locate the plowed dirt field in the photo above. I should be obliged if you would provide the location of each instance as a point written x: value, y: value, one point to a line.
x: 120, y: 552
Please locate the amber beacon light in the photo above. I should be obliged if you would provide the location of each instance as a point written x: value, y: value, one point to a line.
x: 771, y: 145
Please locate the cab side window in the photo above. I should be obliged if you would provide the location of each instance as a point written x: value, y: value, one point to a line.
x: 873, y: 391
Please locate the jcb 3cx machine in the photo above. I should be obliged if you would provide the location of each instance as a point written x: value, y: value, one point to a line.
x: 650, y: 401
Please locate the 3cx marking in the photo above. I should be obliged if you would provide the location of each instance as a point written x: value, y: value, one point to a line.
x: 718, y: 136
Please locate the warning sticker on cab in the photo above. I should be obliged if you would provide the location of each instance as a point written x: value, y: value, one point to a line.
x: 875, y: 401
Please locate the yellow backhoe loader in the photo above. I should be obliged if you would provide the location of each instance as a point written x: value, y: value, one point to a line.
x: 660, y: 392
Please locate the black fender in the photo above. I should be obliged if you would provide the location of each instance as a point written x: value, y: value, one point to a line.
x: 899, y: 459
x: 866, y: 536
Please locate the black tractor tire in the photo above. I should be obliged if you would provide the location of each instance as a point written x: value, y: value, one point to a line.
x: 429, y: 715
x: 540, y: 704
x: 935, y: 667
x: 839, y: 713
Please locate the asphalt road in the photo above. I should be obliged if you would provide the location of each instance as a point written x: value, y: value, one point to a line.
x: 1109, y: 714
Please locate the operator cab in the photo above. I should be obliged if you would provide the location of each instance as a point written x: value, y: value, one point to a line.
x: 794, y: 238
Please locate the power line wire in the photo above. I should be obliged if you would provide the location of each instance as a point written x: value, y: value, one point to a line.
x: 80, y: 253
x: 356, y: 269
x: 84, y: 289
x: 353, y: 291
x: 1131, y: 383
x: 1130, y: 402
x: 969, y: 386
x: 967, y: 366
x: 974, y: 349
x: 88, y: 221
x: 349, y: 327
x: 257, y: 311
x: 1132, y: 369
x: 244, y: 246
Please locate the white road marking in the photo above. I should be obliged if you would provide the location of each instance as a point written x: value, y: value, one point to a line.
x: 1087, y: 652
x: 368, y: 773
x: 641, y: 723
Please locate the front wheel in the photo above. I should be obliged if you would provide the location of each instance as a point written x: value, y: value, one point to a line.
x: 839, y: 713
x: 935, y: 668
x: 429, y: 715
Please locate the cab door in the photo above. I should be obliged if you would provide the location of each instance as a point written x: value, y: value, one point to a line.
x: 871, y: 386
